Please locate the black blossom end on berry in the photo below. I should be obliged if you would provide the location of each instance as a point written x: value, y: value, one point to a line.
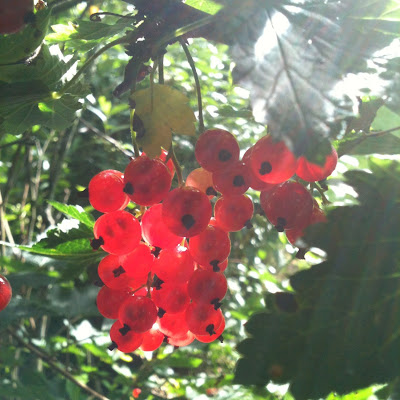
x: 96, y: 243
x: 157, y: 282
x: 248, y: 224
x: 118, y: 271
x: 224, y: 155
x: 98, y: 283
x: 216, y: 303
x: 214, y: 264
x: 128, y: 188
x: 265, y: 168
x: 220, y: 338
x: 165, y: 340
x: 156, y: 251
x: 124, y: 330
x: 210, y: 329
x: 84, y: 194
x: 176, y: 347
x: 238, y: 180
x: 160, y: 312
x: 211, y: 191
x: 188, y: 221
x: 112, y: 346
x: 301, y: 254
x: 280, y: 224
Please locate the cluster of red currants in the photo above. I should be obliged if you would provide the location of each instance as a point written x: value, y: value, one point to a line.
x: 164, y: 276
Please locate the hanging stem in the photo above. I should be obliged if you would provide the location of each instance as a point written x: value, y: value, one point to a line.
x: 197, y: 81
x: 161, y: 70
x: 315, y: 185
x: 133, y: 134
x: 171, y: 155
x: 88, y: 62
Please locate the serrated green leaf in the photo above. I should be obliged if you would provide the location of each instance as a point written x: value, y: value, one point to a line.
x: 22, y: 44
x: 370, y: 144
x: 74, y: 212
x: 344, y: 335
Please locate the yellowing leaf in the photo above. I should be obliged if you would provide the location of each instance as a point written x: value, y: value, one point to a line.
x: 168, y: 112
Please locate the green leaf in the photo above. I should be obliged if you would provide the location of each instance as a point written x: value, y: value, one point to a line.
x: 22, y: 44
x: 386, y: 119
x: 344, y: 334
x: 207, y: 6
x: 74, y: 212
x: 370, y: 144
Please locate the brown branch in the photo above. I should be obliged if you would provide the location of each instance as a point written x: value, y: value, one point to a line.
x: 54, y: 365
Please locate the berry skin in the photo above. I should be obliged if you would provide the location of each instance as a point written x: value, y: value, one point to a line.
x: 124, y: 340
x: 216, y: 149
x: 14, y: 14
x: 138, y: 313
x: 108, y: 301
x: 186, y: 211
x: 106, y: 191
x: 180, y: 341
x: 289, y: 206
x: 152, y: 340
x: 203, y: 318
x: 271, y: 161
x: 5, y: 292
x: 310, y: 172
x: 154, y: 230
x: 202, y: 179
x: 147, y: 181
x: 136, y: 392
x: 210, y: 248
x: 210, y: 338
x: 117, y: 232
x: 232, y: 213
x: 233, y: 180
x: 171, y: 298
x: 163, y: 157
x: 207, y: 287
x: 173, y: 324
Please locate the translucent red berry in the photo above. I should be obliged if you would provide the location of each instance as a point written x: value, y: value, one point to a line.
x: 152, y: 340
x: 147, y: 181
x: 207, y: 287
x: 138, y: 263
x: 186, y: 211
x: 138, y: 313
x: 124, y: 339
x: 181, y: 341
x: 272, y: 161
x: 171, y: 297
x: 310, y: 172
x: 14, y: 14
x: 108, y: 301
x: 232, y: 213
x: 117, y: 232
x: 289, y: 206
x: 169, y: 163
x: 216, y: 149
x: 211, y: 247
x: 233, y: 180
x: 5, y: 292
x: 175, y: 265
x: 217, y: 335
x: 203, y: 318
x: 136, y: 392
x: 173, y: 324
x: 106, y: 191
x: 202, y: 179
x: 154, y: 230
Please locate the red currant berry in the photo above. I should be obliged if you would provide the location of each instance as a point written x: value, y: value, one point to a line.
x: 152, y: 340
x: 203, y: 318
x: 254, y: 182
x: 233, y: 180
x: 169, y: 163
x: 232, y: 213
x: 173, y: 324
x: 124, y: 339
x: 147, y: 181
x: 210, y: 247
x: 117, y: 232
x: 138, y: 263
x: 138, y: 313
x: 202, y: 179
x: 136, y: 392
x: 216, y: 149
x: 186, y: 211
x: 106, y: 191
x: 310, y: 172
x: 181, y: 341
x: 5, y: 292
x: 154, y: 230
x: 108, y: 301
x: 171, y: 298
x: 14, y: 15
x: 217, y: 335
x: 289, y: 206
x: 272, y: 162
x: 207, y: 287
x: 174, y: 265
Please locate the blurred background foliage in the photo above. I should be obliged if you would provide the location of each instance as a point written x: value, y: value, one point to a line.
x: 53, y: 340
